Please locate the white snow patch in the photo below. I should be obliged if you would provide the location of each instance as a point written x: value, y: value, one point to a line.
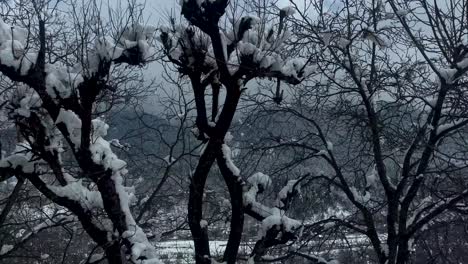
x: 169, y: 159
x: 278, y: 219
x: 21, y: 157
x: 77, y: 192
x: 329, y: 146
x: 285, y: 191
x: 288, y: 11
x: 203, y: 223
x: 229, y: 163
x: 448, y: 74
x: 5, y: 249
x: 260, y: 179
x: 73, y: 125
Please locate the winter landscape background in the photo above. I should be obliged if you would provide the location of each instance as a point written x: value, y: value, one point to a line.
x: 216, y: 131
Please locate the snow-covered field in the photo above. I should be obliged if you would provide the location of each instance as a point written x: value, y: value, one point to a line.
x: 181, y: 251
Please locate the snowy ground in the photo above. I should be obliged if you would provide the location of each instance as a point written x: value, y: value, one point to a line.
x: 181, y: 251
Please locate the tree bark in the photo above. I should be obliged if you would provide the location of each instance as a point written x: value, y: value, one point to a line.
x: 114, y: 253
x: 195, y: 205
x: 234, y: 185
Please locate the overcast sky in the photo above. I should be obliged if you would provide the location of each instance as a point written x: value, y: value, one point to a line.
x: 157, y: 10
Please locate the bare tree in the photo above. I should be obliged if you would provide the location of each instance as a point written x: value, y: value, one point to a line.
x: 384, y: 116
x: 228, y: 58
x: 55, y: 112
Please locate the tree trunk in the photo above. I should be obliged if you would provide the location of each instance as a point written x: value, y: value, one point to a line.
x: 237, y: 210
x: 398, y: 252
x: 403, y: 252
x: 195, y: 205
x: 114, y: 254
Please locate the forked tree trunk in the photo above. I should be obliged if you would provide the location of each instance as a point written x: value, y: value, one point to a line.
x: 197, y: 186
x: 404, y: 256
x: 399, y: 254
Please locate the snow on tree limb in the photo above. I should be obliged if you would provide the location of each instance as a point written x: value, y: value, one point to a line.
x: 59, y: 106
x: 270, y: 216
x: 244, y: 54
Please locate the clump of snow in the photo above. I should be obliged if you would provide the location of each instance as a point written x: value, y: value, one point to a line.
x: 228, y: 137
x: 227, y: 154
x: 60, y: 81
x: 102, y: 154
x: 448, y: 74
x: 96, y: 257
x: 20, y: 233
x: 203, y: 148
x: 266, y: 60
x: 134, y: 234
x: 73, y: 125
x: 116, y: 143
x: 250, y: 195
x: 297, y: 68
x: 100, y: 148
x: 246, y: 48
x: 288, y: 11
x: 77, y: 192
x: 290, y: 187
x: 141, y: 247
x: 236, y: 152
x: 280, y: 221
x: 12, y: 49
x: 361, y: 198
x: 169, y: 159
x: 99, y: 128
x: 371, y: 178
x: 24, y: 100
x: 184, y: 42
x: 5, y: 249
x: 193, y: 47
x: 136, y: 38
x: 260, y: 179
x: 21, y: 158
x: 54, y: 86
x: 378, y: 39
x: 13, y: 54
x: 141, y: 36
x: 106, y: 48
x: 195, y: 131
x: 273, y: 216
x: 329, y: 145
x: 203, y: 223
